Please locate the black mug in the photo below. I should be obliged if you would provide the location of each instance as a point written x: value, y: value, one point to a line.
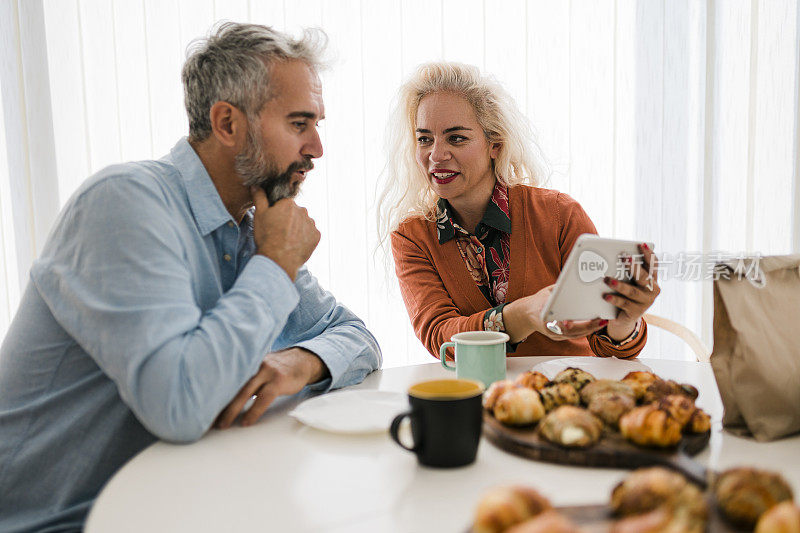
x: 446, y: 421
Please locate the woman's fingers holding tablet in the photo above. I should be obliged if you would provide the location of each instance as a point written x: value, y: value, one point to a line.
x: 573, y: 329
x: 633, y: 299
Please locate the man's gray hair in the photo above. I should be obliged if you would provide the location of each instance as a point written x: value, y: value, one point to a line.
x: 233, y: 65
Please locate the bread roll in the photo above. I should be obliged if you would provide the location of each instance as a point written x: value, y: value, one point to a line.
x: 601, y: 386
x: 519, y: 406
x: 571, y: 426
x: 782, y: 518
x: 503, y: 507
x: 744, y: 494
x: 494, y: 392
x: 610, y: 406
x: 550, y: 521
x: 661, y: 500
x: 532, y: 380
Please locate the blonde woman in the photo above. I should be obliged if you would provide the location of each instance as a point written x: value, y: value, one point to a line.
x: 476, y: 244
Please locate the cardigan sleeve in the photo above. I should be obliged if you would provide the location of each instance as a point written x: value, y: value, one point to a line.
x: 573, y: 222
x: 433, y: 314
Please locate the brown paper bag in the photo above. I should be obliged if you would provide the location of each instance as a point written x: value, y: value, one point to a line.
x: 756, y: 356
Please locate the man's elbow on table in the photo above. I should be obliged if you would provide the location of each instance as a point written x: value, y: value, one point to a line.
x: 177, y: 429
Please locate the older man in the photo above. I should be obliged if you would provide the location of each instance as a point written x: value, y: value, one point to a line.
x: 163, y: 302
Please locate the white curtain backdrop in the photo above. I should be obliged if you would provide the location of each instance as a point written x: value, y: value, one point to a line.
x: 670, y: 121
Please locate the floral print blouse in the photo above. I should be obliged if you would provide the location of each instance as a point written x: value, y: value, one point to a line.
x: 486, y: 254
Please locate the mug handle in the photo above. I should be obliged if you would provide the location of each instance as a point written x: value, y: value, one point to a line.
x: 395, y: 428
x: 443, y: 355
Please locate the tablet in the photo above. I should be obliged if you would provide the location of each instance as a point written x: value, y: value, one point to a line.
x: 578, y: 294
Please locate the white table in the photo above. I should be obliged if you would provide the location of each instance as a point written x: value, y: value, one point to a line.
x: 280, y: 475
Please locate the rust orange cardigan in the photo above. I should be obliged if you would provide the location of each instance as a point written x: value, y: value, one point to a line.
x: 442, y: 299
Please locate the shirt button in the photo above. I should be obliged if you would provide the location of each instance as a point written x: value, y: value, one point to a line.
x: 230, y: 223
x: 479, y: 249
x: 226, y: 257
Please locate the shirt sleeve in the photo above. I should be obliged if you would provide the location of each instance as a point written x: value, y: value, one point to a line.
x: 603, y: 346
x: 117, y: 278
x: 433, y: 314
x: 327, y: 328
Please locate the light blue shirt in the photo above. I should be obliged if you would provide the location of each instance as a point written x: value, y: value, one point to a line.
x: 144, y: 316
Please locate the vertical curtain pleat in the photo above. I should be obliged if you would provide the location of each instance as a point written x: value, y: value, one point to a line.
x: 673, y: 122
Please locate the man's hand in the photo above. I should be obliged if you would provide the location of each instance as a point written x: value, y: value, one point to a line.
x: 284, y: 232
x: 281, y: 373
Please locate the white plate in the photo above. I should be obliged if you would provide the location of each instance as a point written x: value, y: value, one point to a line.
x: 352, y: 411
x: 599, y: 367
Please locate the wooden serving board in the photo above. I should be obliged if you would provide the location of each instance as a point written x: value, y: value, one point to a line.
x: 598, y: 519
x: 612, y: 451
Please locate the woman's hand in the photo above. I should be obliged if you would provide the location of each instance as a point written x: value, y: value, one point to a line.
x: 633, y: 300
x: 522, y: 317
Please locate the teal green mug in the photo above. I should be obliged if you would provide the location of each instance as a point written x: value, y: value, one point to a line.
x: 480, y: 355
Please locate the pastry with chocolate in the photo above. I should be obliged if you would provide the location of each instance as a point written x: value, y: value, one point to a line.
x: 559, y: 394
x: 574, y: 376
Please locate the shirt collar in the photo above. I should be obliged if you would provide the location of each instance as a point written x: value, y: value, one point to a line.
x: 207, y: 208
x: 497, y: 215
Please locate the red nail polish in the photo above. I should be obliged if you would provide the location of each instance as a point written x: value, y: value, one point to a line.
x: 603, y: 322
x: 644, y: 245
x: 607, y: 297
x: 614, y: 282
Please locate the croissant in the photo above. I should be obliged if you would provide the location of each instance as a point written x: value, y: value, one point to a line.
x: 639, y: 381
x: 610, y: 406
x: 650, y: 425
x: 782, y: 518
x: 700, y: 422
x: 494, y: 392
x: 559, y: 394
x: 550, y: 521
x: 518, y: 406
x: 532, y: 380
x: 571, y: 426
x: 744, y: 494
x: 601, y: 386
x: 574, y: 376
x: 646, y: 489
x: 503, y: 507
x: 680, y: 407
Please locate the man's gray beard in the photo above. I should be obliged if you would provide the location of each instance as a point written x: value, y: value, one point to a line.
x: 257, y: 169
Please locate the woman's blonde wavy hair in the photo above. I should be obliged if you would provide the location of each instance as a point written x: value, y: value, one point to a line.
x: 406, y: 190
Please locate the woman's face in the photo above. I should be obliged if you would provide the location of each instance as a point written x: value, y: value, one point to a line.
x: 452, y: 149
